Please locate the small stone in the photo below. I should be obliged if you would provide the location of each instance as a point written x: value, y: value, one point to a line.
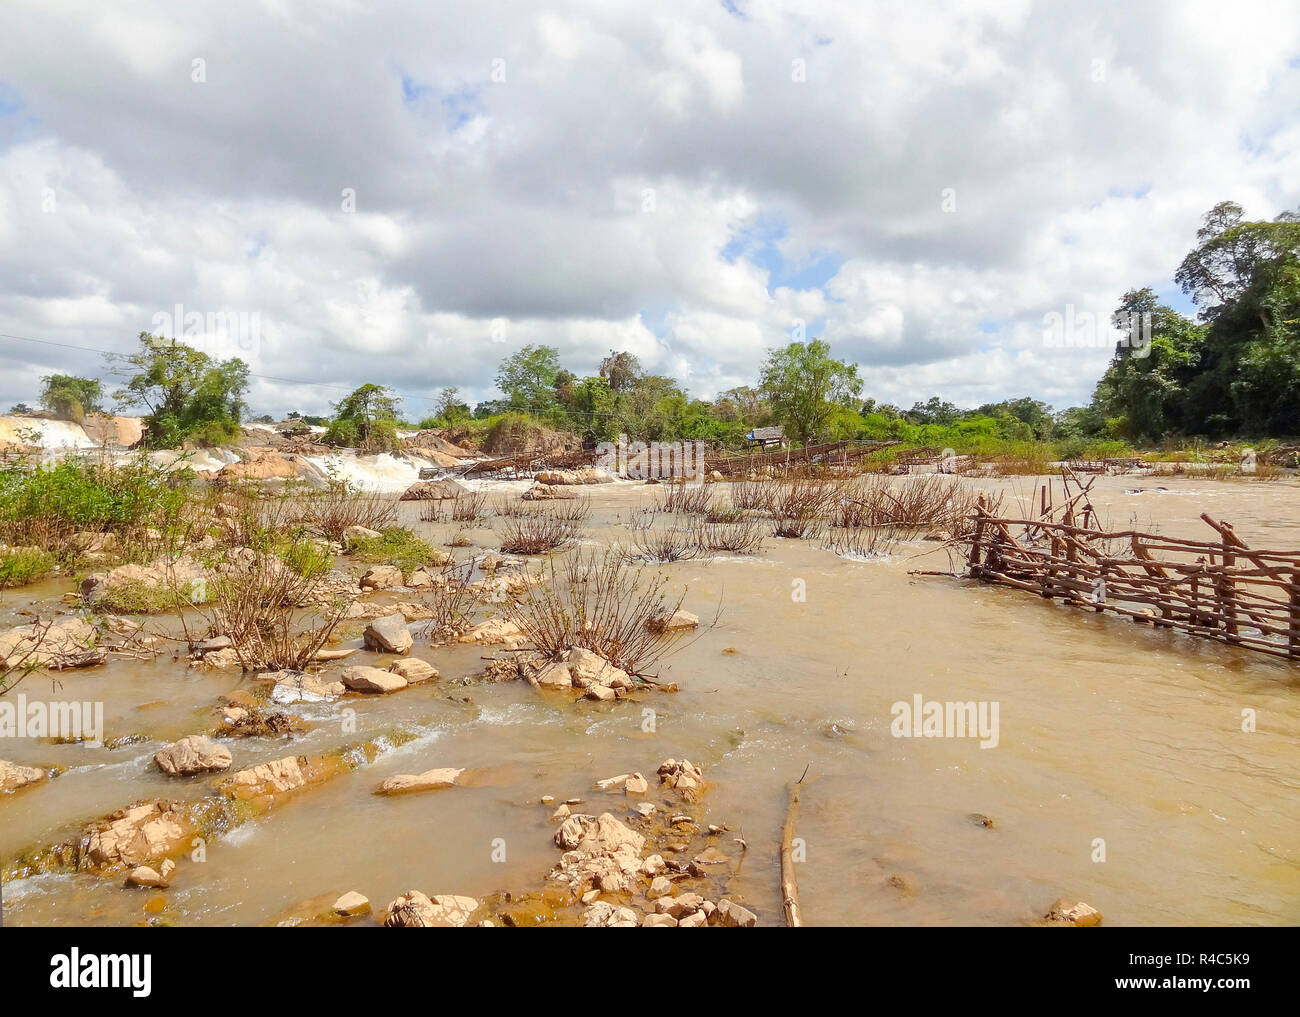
x: 732, y: 915
x: 388, y: 635
x: 351, y: 904
x: 1073, y: 912
x: 430, y: 780
x: 658, y: 921
x: 194, y: 754
x: 660, y: 886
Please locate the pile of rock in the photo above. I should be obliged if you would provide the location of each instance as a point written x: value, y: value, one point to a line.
x: 586, y: 670
x: 684, y: 777
x: 586, y: 475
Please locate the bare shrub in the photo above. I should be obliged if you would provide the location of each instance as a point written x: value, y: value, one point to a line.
x: 799, y: 504
x: 332, y: 510
x: 468, y: 506
x: 860, y: 541
x: 451, y: 599
x: 743, y: 537
x: 510, y: 506
x: 538, y: 532
x: 684, y: 498
x: 752, y: 495
x: 266, y: 609
x: 601, y: 602
x: 662, y: 545
x: 572, y: 510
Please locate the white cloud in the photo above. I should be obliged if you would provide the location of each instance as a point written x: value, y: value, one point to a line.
x: 589, y: 199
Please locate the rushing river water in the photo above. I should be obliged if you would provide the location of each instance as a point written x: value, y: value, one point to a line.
x: 1110, y: 735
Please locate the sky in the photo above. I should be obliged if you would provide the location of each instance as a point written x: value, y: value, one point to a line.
x: 342, y: 192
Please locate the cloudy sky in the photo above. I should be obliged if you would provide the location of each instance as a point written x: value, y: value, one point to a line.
x: 406, y: 193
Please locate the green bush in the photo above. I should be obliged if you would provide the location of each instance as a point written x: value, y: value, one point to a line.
x: 398, y: 547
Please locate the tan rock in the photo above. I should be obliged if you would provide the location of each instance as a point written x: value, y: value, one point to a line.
x: 1073, y: 912
x: 732, y: 915
x: 414, y: 910
x: 138, y: 835
x: 372, y: 679
x: 191, y: 755
x: 381, y: 577
x: 430, y: 780
x: 14, y: 777
x: 415, y: 670
x: 388, y: 635
x: 351, y: 904
x: 658, y: 921
x: 678, y: 621
x: 495, y: 631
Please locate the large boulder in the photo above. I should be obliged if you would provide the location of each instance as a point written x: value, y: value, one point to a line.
x: 389, y: 635
x: 381, y: 577
x: 414, y: 910
x: 415, y: 670
x: 134, y: 836
x: 586, y: 475
x: 432, y: 490
x: 191, y: 755
x: 372, y: 679
x: 14, y: 777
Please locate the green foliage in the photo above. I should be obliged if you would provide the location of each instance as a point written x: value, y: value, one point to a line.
x: 804, y: 384
x: 366, y: 420
x: 71, y: 398
x: 189, y: 396
x: 398, y: 547
x: 79, y: 494
x: 528, y: 379
x: 306, y: 557
x: 22, y: 565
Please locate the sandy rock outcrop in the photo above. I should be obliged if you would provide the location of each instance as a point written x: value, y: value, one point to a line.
x: 191, y: 755
x: 431, y: 780
x: 432, y: 490
x: 372, y: 679
x: 389, y: 635
x: 586, y: 475
x: 15, y: 777
x: 139, y: 835
x: 414, y: 910
x: 68, y: 638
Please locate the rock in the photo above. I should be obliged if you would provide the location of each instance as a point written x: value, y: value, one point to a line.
x: 494, y: 631
x: 266, y: 782
x: 603, y: 915
x: 679, y: 907
x: 562, y: 812
x: 555, y: 675
x: 351, y: 904
x: 191, y: 755
x: 414, y: 910
x: 658, y: 921
x: 388, y: 635
x: 636, y: 785
x: 372, y: 679
x: 684, y: 777
x: 430, y: 780
x: 979, y: 819
x: 135, y: 836
x: 711, y: 856
x: 547, y: 492
x: 646, y: 809
x: 67, y: 638
x: 600, y: 692
x: 587, y: 667
x: 14, y: 777
x: 432, y: 490
x: 291, y: 687
x: 353, y: 533
x: 215, y: 643
x: 1073, y: 912
x: 693, y: 920
x: 415, y: 612
x: 678, y: 621
x: 415, y: 670
x: 381, y: 577
x: 660, y: 886
x: 586, y: 475
x: 143, y: 875
x: 732, y: 915
x: 419, y: 580
x: 653, y: 865
x: 217, y: 659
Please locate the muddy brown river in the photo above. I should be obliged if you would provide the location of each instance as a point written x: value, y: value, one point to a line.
x: 1112, y: 737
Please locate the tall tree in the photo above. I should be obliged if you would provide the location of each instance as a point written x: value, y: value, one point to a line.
x: 189, y: 395
x: 70, y: 397
x: 528, y: 378
x: 805, y: 385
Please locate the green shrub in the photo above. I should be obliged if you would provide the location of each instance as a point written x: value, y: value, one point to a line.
x: 398, y: 547
x: 22, y: 565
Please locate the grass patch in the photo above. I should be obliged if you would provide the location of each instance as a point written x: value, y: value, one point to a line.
x: 22, y: 565
x: 397, y: 546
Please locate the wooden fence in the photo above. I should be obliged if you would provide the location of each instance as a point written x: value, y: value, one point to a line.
x: 1218, y: 589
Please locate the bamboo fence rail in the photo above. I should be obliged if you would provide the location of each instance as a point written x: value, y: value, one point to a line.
x: 1216, y: 589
